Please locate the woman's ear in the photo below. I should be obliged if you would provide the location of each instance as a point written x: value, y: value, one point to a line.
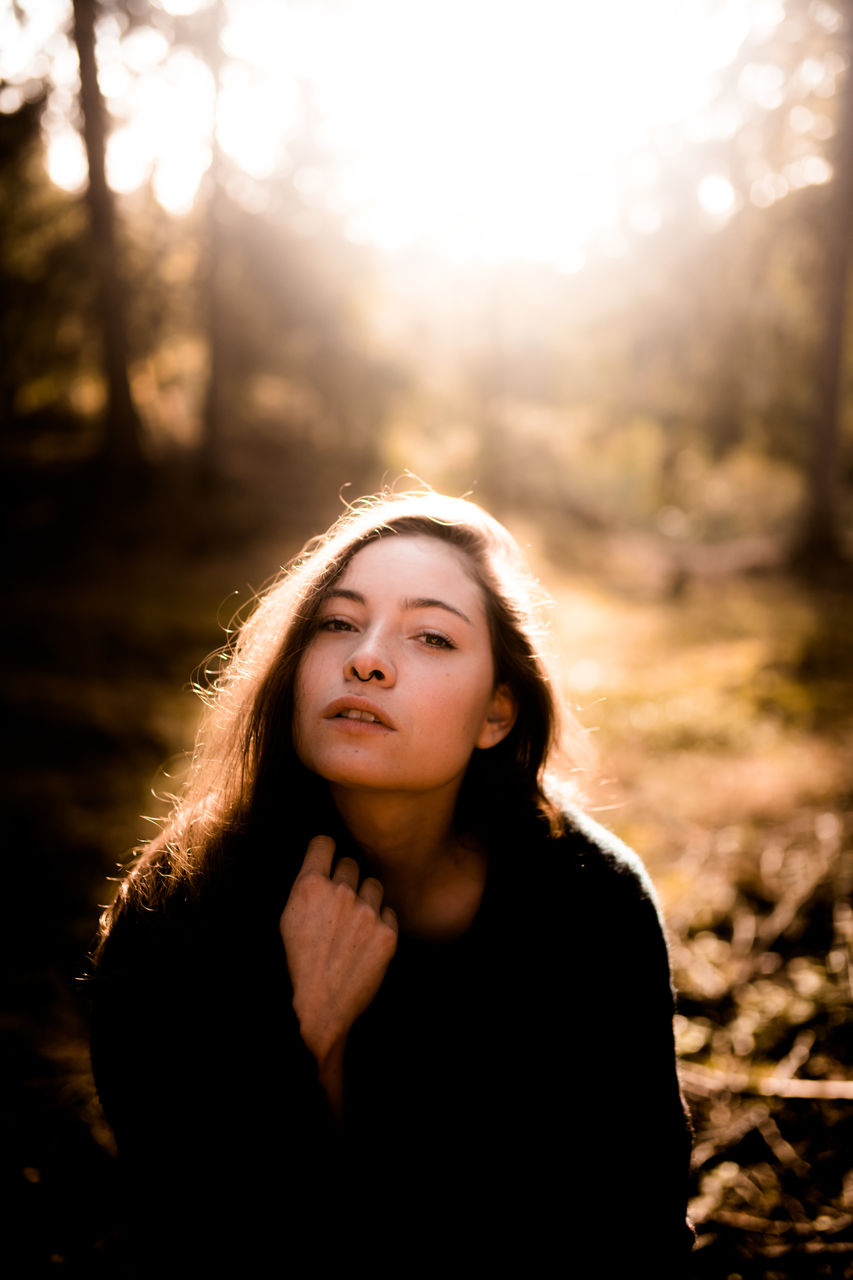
x: 501, y: 716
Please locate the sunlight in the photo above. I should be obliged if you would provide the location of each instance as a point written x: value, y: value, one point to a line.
x: 484, y: 130
x: 66, y: 159
x: 493, y: 131
x: 28, y: 44
x: 167, y: 135
x: 717, y: 196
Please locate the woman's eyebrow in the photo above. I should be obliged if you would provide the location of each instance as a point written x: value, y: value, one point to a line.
x: 341, y: 593
x: 419, y: 602
x: 428, y: 602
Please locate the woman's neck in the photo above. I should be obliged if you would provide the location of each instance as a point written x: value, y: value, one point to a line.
x: 433, y: 880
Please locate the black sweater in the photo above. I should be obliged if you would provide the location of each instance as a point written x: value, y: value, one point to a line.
x: 511, y: 1096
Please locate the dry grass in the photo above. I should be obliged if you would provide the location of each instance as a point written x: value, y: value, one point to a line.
x: 724, y: 726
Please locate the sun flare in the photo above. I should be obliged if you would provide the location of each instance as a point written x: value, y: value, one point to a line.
x: 494, y: 131
x: 533, y: 130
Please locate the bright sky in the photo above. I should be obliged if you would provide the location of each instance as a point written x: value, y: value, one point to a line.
x: 488, y: 129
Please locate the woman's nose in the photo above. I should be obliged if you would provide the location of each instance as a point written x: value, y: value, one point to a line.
x: 371, y: 660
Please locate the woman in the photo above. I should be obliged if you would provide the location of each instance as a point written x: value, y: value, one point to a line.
x: 374, y: 996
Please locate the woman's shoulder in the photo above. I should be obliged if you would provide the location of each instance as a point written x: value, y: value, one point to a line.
x: 156, y: 914
x: 595, y: 877
x: 595, y: 851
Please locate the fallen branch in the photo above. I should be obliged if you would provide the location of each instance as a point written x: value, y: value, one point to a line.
x: 813, y: 1231
x: 704, y: 1082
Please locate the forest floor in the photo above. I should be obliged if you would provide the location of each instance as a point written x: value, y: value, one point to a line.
x: 719, y: 703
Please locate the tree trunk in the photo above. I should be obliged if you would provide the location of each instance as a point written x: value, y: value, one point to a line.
x: 211, y: 441
x: 821, y: 537
x: 122, y: 441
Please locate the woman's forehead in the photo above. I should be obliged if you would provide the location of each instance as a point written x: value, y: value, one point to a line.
x: 414, y: 565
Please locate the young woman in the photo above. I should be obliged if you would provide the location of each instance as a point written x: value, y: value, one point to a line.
x: 375, y: 996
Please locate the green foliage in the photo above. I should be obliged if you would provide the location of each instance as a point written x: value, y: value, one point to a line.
x: 50, y: 360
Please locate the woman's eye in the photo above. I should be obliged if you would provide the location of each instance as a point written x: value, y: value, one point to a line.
x: 334, y: 624
x: 435, y: 640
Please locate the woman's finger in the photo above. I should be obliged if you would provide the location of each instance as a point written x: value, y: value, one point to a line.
x: 346, y: 872
x: 389, y: 916
x: 319, y: 855
x: 371, y: 891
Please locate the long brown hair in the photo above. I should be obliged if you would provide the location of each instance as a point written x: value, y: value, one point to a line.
x: 245, y: 764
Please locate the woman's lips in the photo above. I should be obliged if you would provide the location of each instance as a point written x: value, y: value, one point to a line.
x: 357, y: 711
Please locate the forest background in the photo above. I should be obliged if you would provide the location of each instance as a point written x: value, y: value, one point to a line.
x: 201, y: 352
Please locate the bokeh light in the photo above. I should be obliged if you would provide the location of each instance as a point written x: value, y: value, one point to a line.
x: 485, y: 131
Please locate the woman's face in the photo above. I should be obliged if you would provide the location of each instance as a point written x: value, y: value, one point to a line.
x: 396, y: 687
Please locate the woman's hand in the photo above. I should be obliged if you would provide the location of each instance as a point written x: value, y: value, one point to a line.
x: 339, y: 941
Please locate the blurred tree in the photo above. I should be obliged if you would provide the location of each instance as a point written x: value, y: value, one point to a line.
x: 792, y: 84
x: 252, y: 313
x: 821, y: 536
x: 48, y: 365
x: 122, y: 447
x: 214, y: 406
x: 199, y: 31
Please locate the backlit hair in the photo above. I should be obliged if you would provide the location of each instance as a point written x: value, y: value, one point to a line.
x: 245, y: 764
